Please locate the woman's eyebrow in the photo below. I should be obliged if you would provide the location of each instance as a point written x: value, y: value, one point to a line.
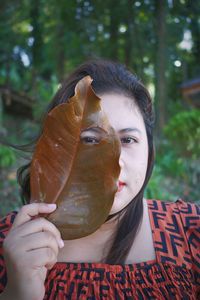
x: 129, y: 129
x: 95, y: 129
x: 99, y: 130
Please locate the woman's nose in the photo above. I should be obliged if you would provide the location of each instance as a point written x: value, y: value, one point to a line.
x: 121, y: 160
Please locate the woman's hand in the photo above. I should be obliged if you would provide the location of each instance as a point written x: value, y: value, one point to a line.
x: 30, y: 248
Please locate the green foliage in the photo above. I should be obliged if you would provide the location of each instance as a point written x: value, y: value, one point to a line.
x: 164, y: 183
x: 168, y: 161
x: 43, y: 94
x: 9, y: 194
x: 183, y: 133
x: 174, y: 176
x: 7, y: 157
x: 43, y: 41
x: 154, y: 190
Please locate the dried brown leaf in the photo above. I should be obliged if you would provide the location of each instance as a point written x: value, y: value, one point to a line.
x: 80, y: 178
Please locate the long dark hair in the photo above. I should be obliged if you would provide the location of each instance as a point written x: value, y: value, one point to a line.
x: 107, y: 77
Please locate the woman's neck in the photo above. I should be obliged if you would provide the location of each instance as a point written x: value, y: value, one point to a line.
x: 91, y: 247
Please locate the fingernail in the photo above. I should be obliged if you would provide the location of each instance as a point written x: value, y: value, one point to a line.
x: 52, y: 206
x: 61, y: 243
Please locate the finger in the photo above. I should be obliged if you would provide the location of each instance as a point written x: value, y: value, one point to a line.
x: 27, y: 212
x: 40, y: 240
x: 39, y: 225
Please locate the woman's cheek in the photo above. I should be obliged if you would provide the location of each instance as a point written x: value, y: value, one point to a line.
x: 138, y: 178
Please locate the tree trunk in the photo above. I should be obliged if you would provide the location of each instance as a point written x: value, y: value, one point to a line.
x: 193, y: 10
x: 114, y: 26
x: 37, y: 53
x: 128, y: 35
x: 160, y: 65
x: 60, y: 53
x: 1, y: 113
x: 196, y: 44
x: 37, y: 47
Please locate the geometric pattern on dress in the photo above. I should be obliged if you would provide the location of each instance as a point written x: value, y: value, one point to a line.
x: 175, y: 274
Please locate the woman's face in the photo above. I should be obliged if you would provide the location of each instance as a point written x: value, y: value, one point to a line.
x: 125, y: 117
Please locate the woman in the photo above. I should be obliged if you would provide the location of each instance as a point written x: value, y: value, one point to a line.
x: 146, y: 249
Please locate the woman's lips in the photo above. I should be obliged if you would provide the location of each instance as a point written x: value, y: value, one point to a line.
x: 120, y: 186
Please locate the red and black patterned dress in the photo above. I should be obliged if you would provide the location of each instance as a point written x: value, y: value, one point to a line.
x: 174, y: 274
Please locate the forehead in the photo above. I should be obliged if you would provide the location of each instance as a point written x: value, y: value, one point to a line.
x: 110, y: 98
x: 121, y: 111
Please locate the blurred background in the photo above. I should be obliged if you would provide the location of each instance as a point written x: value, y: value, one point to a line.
x: 42, y: 41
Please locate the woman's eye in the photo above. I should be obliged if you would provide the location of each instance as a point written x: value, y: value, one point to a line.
x: 128, y: 140
x: 89, y: 140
